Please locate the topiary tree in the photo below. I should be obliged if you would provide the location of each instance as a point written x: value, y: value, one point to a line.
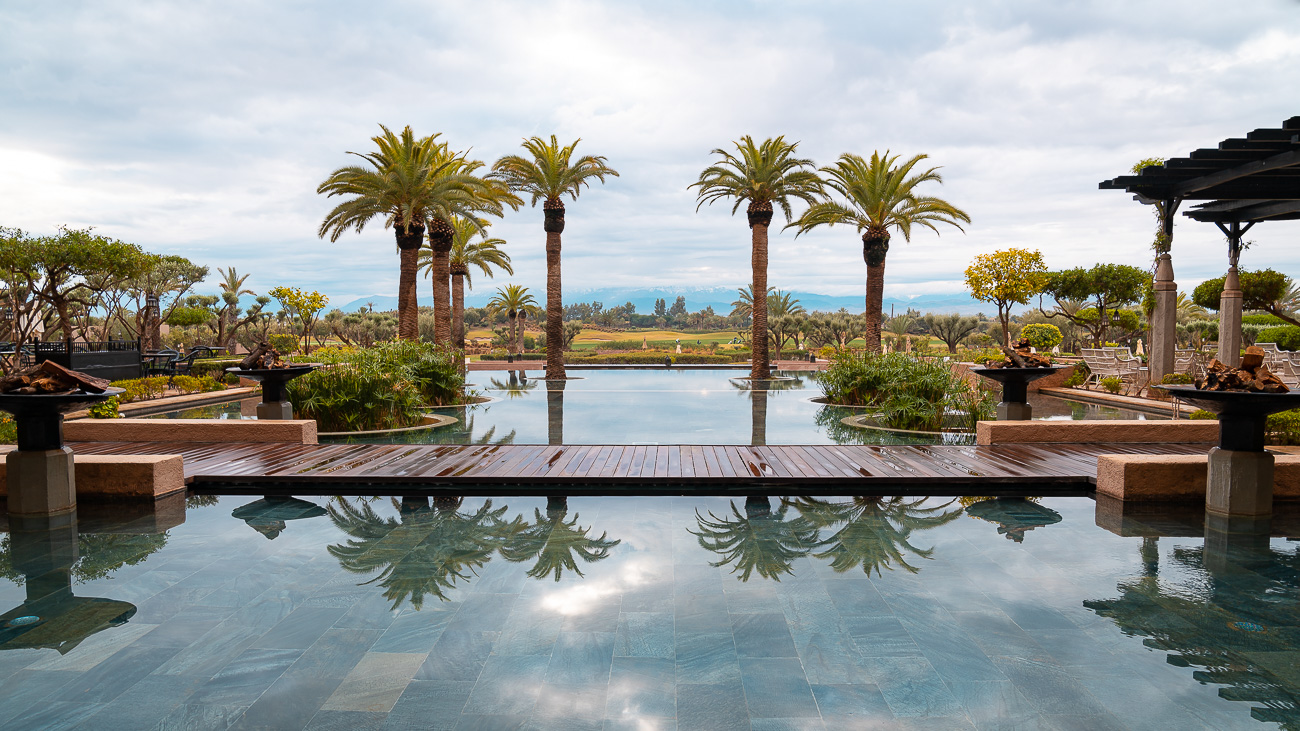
x: 1042, y: 336
x: 1265, y: 290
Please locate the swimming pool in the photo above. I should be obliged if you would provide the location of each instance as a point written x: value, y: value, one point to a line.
x: 645, y: 613
x: 668, y: 406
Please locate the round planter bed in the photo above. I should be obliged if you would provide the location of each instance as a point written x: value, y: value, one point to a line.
x: 430, y: 421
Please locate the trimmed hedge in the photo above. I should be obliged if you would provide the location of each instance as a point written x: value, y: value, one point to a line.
x: 1287, y: 337
x: 646, y: 357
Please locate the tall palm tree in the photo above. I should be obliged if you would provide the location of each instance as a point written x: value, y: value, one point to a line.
x: 489, y: 196
x: 879, y: 195
x: 555, y: 543
x: 466, y: 252
x: 407, y: 182
x: 762, y: 176
x: 760, y: 540
x: 547, y: 173
x: 515, y: 301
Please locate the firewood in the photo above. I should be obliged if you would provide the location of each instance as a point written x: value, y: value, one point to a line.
x: 88, y: 383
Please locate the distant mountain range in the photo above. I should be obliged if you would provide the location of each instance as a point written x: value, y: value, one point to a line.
x: 719, y: 298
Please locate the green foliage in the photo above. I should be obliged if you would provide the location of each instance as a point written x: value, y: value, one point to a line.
x: 1112, y: 384
x: 1266, y: 320
x: 1287, y: 337
x: 140, y: 389
x: 215, y: 367
x: 1041, y: 335
x: 1078, y: 377
x: 1200, y: 414
x: 8, y: 429
x: 384, y: 387
x: 189, y: 316
x: 283, y: 342
x: 104, y: 409
x: 646, y: 357
x: 1177, y: 379
x: 906, y: 392
x: 197, y: 384
x: 1284, y: 428
x: 1006, y: 278
x: 1259, y: 290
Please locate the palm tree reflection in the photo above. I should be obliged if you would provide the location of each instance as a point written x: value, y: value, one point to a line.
x: 556, y: 544
x: 1013, y: 516
x: 515, y: 387
x: 425, y: 550
x: 759, y: 540
x: 873, y: 532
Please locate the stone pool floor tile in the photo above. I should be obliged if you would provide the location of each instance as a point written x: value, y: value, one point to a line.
x: 190, y: 717
x: 641, y: 687
x: 707, y: 658
x: 571, y: 701
x: 431, y: 705
x: 777, y: 688
x: 581, y: 657
x: 144, y: 704
x: 911, y: 687
x: 346, y: 721
x: 375, y: 683
x: 458, y: 655
x: 789, y: 724
x: 508, y: 686
x: 288, y: 704
x: 644, y: 634
x: 712, y: 707
x: 762, y: 635
x: 475, y: 722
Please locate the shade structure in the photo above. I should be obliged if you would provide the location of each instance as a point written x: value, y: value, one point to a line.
x: 1243, y: 181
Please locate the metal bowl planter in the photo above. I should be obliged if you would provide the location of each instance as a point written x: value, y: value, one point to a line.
x: 274, y: 405
x: 1015, y: 389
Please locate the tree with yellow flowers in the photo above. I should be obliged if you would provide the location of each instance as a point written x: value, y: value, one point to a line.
x: 303, y: 305
x: 1006, y: 278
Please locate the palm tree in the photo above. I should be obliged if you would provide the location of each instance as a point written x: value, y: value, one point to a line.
x: 875, y: 530
x: 232, y: 287
x: 516, y: 302
x: 555, y: 543
x: 759, y: 540
x: 407, y: 182
x: 879, y: 195
x: 548, y: 174
x: 761, y: 176
x: 467, y: 252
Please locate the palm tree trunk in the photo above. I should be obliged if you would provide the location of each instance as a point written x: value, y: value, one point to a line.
x: 441, y: 235
x: 408, y: 306
x: 554, y: 225
x: 758, y: 416
x: 458, y: 311
x: 555, y: 410
x: 511, y: 323
x: 873, y: 252
x: 522, y: 325
x: 759, y: 221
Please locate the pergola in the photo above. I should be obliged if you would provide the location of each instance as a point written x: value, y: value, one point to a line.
x: 1243, y: 181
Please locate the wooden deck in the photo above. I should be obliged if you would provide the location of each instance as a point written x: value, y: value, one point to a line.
x: 523, y: 469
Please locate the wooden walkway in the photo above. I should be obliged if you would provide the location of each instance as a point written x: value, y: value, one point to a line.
x: 521, y: 469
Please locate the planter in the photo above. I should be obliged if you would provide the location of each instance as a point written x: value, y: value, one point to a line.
x: 274, y: 405
x: 1015, y: 389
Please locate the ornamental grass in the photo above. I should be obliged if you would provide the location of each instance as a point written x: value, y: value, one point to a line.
x: 905, y: 392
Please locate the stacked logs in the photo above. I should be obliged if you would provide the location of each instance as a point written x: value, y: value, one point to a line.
x: 1019, y: 356
x: 1251, y: 376
x: 263, y: 356
x: 50, y: 378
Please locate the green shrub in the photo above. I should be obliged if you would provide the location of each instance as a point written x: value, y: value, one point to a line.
x: 1041, y: 335
x: 8, y: 429
x: 645, y: 357
x: 215, y: 367
x: 906, y: 392
x: 140, y: 389
x: 1287, y: 337
x: 384, y: 387
x: 200, y: 384
x: 284, y: 342
x: 104, y: 409
x: 1284, y: 428
x: 1177, y: 379
x: 1078, y: 376
x: 1202, y: 414
x: 1112, y: 384
x: 1265, y: 320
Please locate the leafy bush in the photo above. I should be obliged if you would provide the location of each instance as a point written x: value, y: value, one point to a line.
x: 284, y: 342
x: 1042, y: 336
x: 384, y: 387
x: 645, y: 357
x: 1078, y: 376
x: 1177, y: 379
x: 906, y: 392
x: 104, y: 409
x: 140, y: 389
x: 1284, y: 428
x: 1202, y: 414
x: 8, y: 429
x: 201, y: 384
x: 215, y: 367
x: 1287, y: 337
x: 1265, y: 320
x: 1112, y: 384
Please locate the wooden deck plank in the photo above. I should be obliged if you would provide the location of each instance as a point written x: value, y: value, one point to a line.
x: 674, y: 462
x: 689, y: 454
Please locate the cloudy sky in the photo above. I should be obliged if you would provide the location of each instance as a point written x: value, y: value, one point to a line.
x: 203, y: 128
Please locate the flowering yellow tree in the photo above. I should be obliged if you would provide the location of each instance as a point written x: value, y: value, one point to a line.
x: 303, y: 305
x: 1006, y: 278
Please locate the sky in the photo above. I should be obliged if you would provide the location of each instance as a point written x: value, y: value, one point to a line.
x: 203, y: 128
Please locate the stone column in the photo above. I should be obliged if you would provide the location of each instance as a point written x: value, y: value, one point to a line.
x: 1230, y: 319
x: 1239, y: 483
x: 1164, y: 321
x: 40, y: 482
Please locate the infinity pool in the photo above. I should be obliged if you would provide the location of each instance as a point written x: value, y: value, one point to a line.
x: 645, y: 613
x: 668, y: 406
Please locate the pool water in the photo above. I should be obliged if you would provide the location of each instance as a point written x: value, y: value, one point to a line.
x: 669, y: 406
x: 645, y: 613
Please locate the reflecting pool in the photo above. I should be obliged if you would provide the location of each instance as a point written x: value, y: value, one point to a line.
x: 646, y: 613
x: 669, y: 406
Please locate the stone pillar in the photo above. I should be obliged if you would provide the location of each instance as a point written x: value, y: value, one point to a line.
x: 40, y: 482
x: 275, y: 410
x: 1239, y: 484
x: 1164, y: 321
x: 1230, y: 319
x: 1015, y: 411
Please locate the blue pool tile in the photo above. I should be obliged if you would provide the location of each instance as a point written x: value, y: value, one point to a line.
x: 777, y: 688
x: 762, y: 635
x: 245, y: 678
x: 144, y: 704
x: 644, y: 634
x: 701, y: 613
x: 856, y: 598
x: 347, y: 721
x: 951, y: 651
x: 288, y: 704
x: 581, y: 657
x: 529, y: 631
x: 429, y: 704
x: 641, y: 723
x: 190, y: 717
x: 300, y: 629
x: 601, y: 616
x: 833, y: 659
x: 911, y: 687
x: 881, y: 637
x: 476, y: 722
x: 712, y: 707
x: 458, y: 655
x: 483, y: 612
x: 707, y: 658
x: 994, y: 704
x: 564, y: 724
x: 572, y: 701
x: 640, y: 688
x: 508, y: 686
x: 414, y: 632
x: 51, y: 716
x: 1050, y: 688
x: 111, y: 678
x: 852, y: 701
x: 335, y: 653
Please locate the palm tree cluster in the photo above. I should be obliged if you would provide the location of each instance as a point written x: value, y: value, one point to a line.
x: 420, y: 187
x: 874, y: 196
